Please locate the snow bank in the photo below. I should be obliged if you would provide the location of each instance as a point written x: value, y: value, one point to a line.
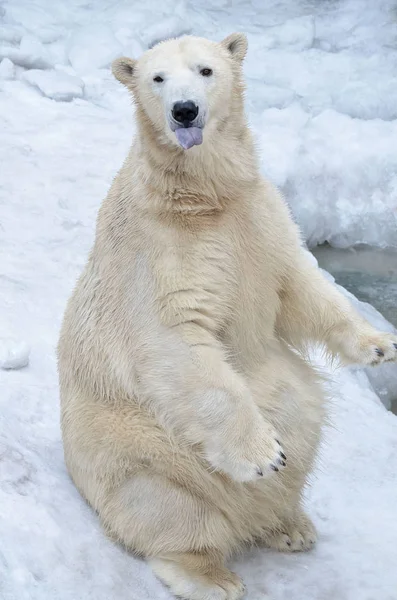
x: 30, y: 54
x: 92, y: 47
x: 317, y: 75
x: 338, y: 174
x: 7, y: 69
x: 175, y: 26
x: 55, y: 84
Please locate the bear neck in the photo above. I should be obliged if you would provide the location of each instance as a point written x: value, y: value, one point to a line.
x: 204, y: 179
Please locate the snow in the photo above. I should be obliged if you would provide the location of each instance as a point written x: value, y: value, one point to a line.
x: 55, y: 84
x: 7, y: 69
x: 30, y: 54
x: 83, y: 40
x: 14, y: 354
x: 321, y: 92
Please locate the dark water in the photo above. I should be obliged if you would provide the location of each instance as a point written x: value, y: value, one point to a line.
x: 368, y: 273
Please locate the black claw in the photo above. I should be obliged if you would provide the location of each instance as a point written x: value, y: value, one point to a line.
x: 283, y: 455
x: 260, y: 472
x: 283, y: 463
x: 278, y: 442
x: 395, y: 345
x: 288, y: 543
x: 274, y: 467
x: 379, y: 352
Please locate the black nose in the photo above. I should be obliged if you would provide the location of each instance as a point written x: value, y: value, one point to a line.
x: 185, y: 112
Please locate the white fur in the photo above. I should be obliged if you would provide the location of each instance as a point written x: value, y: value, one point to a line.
x: 182, y: 379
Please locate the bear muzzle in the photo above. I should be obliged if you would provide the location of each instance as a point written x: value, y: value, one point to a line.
x: 187, y: 134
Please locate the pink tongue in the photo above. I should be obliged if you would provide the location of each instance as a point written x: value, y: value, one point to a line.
x: 189, y: 136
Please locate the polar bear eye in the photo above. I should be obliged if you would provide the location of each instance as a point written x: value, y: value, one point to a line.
x: 158, y: 79
x: 206, y: 72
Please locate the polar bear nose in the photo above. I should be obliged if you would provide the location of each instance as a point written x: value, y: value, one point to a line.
x: 185, y: 112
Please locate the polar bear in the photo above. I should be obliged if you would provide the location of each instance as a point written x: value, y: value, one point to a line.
x: 190, y: 415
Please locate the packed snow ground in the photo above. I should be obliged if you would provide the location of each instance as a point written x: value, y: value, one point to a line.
x: 322, y: 98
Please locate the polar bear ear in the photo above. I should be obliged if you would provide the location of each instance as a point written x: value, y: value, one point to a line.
x: 237, y: 45
x: 123, y: 69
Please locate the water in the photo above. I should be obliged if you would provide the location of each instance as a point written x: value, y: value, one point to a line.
x: 368, y: 273
x: 371, y: 275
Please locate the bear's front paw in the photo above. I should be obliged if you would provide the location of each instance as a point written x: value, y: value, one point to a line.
x: 370, y: 348
x: 259, y: 455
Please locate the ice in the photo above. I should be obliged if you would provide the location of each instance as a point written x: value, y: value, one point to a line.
x: 320, y: 98
x: 14, y: 354
x: 55, y: 84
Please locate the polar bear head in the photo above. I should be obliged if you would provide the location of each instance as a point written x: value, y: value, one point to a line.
x: 186, y: 88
